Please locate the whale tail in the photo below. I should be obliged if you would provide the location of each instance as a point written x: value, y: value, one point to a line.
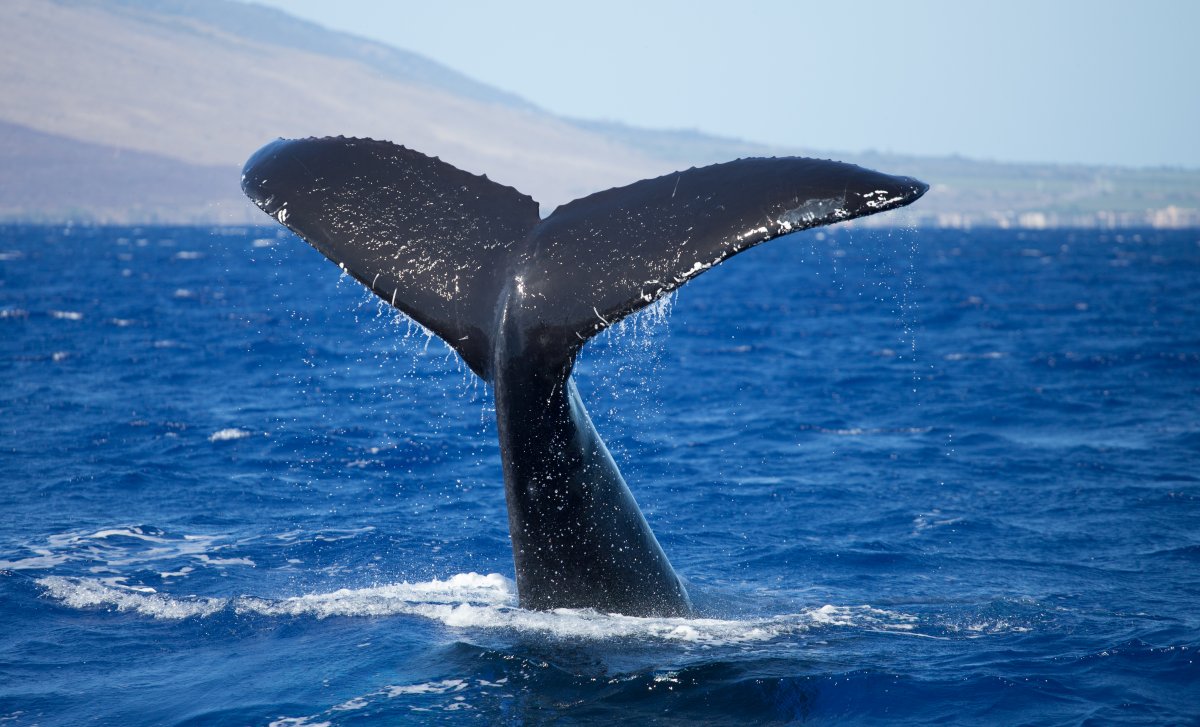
x: 517, y: 297
x: 442, y: 245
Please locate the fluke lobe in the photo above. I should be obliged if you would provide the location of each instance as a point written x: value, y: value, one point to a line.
x: 517, y: 297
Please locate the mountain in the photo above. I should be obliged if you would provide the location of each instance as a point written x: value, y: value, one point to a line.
x: 48, y: 178
x: 970, y: 192
x: 144, y: 110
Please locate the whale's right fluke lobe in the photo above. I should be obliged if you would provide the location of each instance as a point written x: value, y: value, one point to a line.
x: 619, y: 250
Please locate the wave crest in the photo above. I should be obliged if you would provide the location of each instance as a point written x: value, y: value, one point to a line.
x: 473, y: 601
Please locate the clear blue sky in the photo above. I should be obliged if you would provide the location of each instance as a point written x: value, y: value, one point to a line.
x: 1095, y: 81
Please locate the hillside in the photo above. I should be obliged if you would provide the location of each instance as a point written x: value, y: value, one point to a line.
x: 969, y: 192
x: 144, y: 110
x: 166, y: 79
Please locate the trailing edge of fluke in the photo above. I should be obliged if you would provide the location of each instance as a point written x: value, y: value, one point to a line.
x: 517, y: 297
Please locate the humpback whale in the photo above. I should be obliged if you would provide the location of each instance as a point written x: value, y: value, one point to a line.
x: 517, y: 297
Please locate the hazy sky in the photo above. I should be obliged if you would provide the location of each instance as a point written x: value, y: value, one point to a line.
x: 1096, y: 81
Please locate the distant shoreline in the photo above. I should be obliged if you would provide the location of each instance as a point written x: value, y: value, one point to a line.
x: 1023, y: 222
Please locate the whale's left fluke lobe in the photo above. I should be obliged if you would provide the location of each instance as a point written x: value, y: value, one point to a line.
x: 517, y: 297
x: 428, y: 238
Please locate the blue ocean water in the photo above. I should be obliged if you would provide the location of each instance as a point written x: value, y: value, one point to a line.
x: 910, y: 477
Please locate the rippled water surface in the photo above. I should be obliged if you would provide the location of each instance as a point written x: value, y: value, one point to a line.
x: 917, y: 477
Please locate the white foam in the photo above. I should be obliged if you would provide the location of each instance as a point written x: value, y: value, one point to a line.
x: 441, y: 687
x: 227, y: 435
x: 89, y: 593
x: 67, y: 315
x: 474, y: 601
x: 350, y: 705
x: 298, y: 722
x: 135, y: 533
x: 434, y: 599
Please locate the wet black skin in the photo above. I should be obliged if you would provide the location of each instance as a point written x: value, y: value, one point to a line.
x: 517, y: 297
x: 579, y: 539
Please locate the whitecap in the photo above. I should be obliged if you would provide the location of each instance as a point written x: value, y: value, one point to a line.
x: 230, y: 434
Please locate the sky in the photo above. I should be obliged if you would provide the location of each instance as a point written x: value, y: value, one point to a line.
x: 1073, y: 81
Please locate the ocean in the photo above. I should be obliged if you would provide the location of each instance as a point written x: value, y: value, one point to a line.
x: 910, y: 477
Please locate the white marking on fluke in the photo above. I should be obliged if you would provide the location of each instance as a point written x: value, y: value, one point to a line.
x: 811, y: 213
x: 750, y: 233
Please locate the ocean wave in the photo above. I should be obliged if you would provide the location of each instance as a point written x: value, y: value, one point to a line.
x: 116, y: 549
x: 861, y: 431
x: 473, y: 601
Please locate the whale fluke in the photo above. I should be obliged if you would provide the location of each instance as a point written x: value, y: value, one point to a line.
x: 430, y: 239
x: 517, y: 297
